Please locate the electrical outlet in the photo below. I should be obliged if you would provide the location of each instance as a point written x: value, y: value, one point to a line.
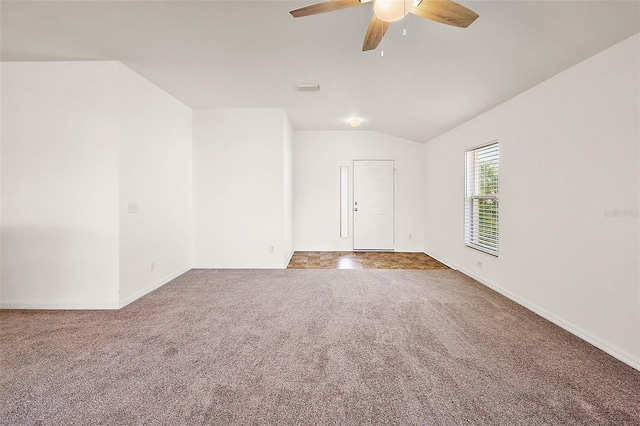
x: 479, y: 264
x: 272, y: 249
x: 152, y: 266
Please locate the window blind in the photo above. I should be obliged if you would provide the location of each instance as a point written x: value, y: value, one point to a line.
x: 481, y: 198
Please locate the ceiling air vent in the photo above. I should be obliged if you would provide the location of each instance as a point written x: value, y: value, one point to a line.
x: 307, y: 87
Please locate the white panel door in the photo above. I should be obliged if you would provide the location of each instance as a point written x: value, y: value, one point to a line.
x: 373, y: 198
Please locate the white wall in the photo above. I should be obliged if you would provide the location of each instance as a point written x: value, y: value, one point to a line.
x: 155, y: 173
x: 0, y: 183
x: 287, y: 244
x: 239, y: 188
x: 568, y: 154
x: 79, y: 140
x: 59, y: 185
x: 317, y: 158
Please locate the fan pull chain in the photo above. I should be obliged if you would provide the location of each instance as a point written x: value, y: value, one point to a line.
x: 404, y: 20
x: 382, y: 47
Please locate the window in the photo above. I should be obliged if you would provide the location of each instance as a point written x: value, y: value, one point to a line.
x: 481, y: 198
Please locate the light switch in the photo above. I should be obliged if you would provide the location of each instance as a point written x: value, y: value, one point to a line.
x: 132, y: 207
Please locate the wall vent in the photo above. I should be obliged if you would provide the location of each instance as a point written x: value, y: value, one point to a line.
x: 307, y: 87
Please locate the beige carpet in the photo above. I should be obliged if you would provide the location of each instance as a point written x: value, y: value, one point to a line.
x: 308, y: 347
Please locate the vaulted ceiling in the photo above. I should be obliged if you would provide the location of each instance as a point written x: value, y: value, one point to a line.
x: 249, y: 54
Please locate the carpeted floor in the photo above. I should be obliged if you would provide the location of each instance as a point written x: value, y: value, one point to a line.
x: 308, y: 347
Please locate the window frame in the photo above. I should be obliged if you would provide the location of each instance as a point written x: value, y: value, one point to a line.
x: 470, y: 236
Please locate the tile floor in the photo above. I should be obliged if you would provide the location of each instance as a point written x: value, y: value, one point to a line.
x: 362, y: 260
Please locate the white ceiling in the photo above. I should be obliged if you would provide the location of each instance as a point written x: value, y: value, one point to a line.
x: 215, y: 54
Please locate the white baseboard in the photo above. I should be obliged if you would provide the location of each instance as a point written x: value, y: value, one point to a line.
x: 571, y: 328
x: 289, y: 259
x: 319, y: 249
x: 228, y: 267
x: 66, y: 305
x: 444, y: 261
x: 137, y: 295
x: 89, y: 304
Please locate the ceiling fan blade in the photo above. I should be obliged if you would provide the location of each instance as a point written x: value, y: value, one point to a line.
x: 325, y: 6
x: 374, y: 34
x: 446, y: 12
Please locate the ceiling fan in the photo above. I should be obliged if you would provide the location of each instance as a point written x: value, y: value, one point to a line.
x: 387, y: 11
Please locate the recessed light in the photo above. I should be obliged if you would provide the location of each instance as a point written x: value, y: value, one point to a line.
x: 355, y: 122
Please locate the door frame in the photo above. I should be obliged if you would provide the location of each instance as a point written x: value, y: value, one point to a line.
x: 351, y: 200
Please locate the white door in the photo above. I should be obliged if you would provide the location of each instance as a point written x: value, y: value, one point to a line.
x: 373, y: 198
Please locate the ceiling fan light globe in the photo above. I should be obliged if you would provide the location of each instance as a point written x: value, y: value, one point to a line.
x: 392, y: 10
